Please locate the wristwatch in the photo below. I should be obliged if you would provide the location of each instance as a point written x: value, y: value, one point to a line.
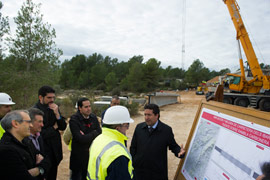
x: 41, y: 170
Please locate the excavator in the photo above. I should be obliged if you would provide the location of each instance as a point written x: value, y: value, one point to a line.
x: 254, y: 92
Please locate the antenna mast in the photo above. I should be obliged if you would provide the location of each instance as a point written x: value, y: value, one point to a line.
x: 183, y: 33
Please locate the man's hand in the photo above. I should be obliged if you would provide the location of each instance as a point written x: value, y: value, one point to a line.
x: 39, y: 158
x: 182, y: 152
x: 55, y: 126
x: 55, y: 109
x: 34, y: 171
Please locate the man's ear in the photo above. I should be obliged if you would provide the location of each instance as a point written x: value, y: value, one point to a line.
x: 40, y: 98
x: 117, y: 128
x: 14, y: 123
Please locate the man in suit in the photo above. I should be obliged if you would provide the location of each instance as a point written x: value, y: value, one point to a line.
x: 35, y: 140
x: 53, y: 122
x: 17, y: 160
x: 149, y: 145
x: 85, y: 128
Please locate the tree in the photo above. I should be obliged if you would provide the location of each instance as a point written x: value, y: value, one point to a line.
x: 223, y: 72
x: 4, y: 29
x: 74, y: 74
x: 22, y: 86
x: 176, y: 73
x: 134, y: 80
x: 111, y: 81
x: 135, y: 59
x: 151, y: 73
x: 197, y: 73
x: 98, y: 74
x: 33, y: 59
x: 33, y: 42
x: 264, y: 66
x: 122, y: 68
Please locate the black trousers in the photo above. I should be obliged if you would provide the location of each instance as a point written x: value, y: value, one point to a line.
x: 78, y: 174
x: 52, y: 173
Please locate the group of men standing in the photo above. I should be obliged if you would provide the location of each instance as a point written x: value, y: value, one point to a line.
x: 31, y: 144
x: 30, y: 147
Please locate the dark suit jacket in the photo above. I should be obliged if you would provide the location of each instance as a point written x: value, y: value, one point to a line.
x: 15, y: 159
x: 51, y: 136
x: 149, y: 151
x: 81, y: 143
x: 45, y: 163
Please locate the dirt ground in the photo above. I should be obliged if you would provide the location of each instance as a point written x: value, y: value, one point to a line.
x: 179, y: 116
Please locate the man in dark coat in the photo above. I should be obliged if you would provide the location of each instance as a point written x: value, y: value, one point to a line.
x: 149, y: 146
x: 85, y: 128
x: 35, y: 140
x: 53, y: 122
x: 17, y: 159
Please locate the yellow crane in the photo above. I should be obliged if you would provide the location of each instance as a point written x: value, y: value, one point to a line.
x: 246, y: 92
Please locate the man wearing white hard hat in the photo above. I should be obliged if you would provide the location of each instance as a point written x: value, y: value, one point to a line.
x: 109, y: 157
x: 5, y: 107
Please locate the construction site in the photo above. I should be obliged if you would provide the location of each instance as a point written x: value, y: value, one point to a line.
x: 223, y: 122
x: 248, y: 88
x: 179, y: 116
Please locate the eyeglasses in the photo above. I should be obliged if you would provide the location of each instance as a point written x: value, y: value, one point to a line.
x: 125, y: 125
x: 28, y: 121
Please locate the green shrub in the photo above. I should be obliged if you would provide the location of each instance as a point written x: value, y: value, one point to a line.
x: 101, y: 86
x: 66, y: 106
x: 98, y: 110
x: 133, y: 108
x: 116, y: 91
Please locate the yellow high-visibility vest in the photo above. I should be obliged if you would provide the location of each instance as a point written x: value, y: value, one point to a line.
x: 2, y: 131
x: 107, y: 147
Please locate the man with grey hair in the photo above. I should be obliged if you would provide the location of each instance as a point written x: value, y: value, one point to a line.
x: 17, y: 161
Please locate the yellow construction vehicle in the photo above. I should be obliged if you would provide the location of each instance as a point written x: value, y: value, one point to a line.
x: 246, y: 92
x: 202, y: 88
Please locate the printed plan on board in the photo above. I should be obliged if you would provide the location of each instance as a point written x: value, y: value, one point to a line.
x: 224, y: 147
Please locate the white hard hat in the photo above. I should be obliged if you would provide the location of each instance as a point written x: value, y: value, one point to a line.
x: 117, y: 115
x: 5, y: 99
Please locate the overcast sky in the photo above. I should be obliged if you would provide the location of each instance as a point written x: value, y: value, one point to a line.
x: 153, y: 28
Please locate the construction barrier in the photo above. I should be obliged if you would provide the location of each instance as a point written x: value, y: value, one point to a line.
x: 161, y: 99
x: 100, y: 104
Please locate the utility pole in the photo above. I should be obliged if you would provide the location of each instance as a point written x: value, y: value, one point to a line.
x: 183, y: 33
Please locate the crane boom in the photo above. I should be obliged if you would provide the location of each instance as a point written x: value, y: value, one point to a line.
x: 242, y: 35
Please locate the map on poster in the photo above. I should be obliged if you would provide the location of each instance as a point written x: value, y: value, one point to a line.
x: 224, y: 147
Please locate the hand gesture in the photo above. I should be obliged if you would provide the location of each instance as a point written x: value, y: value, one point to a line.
x: 182, y: 151
x: 55, y: 109
x: 39, y: 158
x: 34, y: 171
x: 55, y: 126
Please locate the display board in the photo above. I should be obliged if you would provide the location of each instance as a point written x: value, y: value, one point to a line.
x: 226, y: 142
